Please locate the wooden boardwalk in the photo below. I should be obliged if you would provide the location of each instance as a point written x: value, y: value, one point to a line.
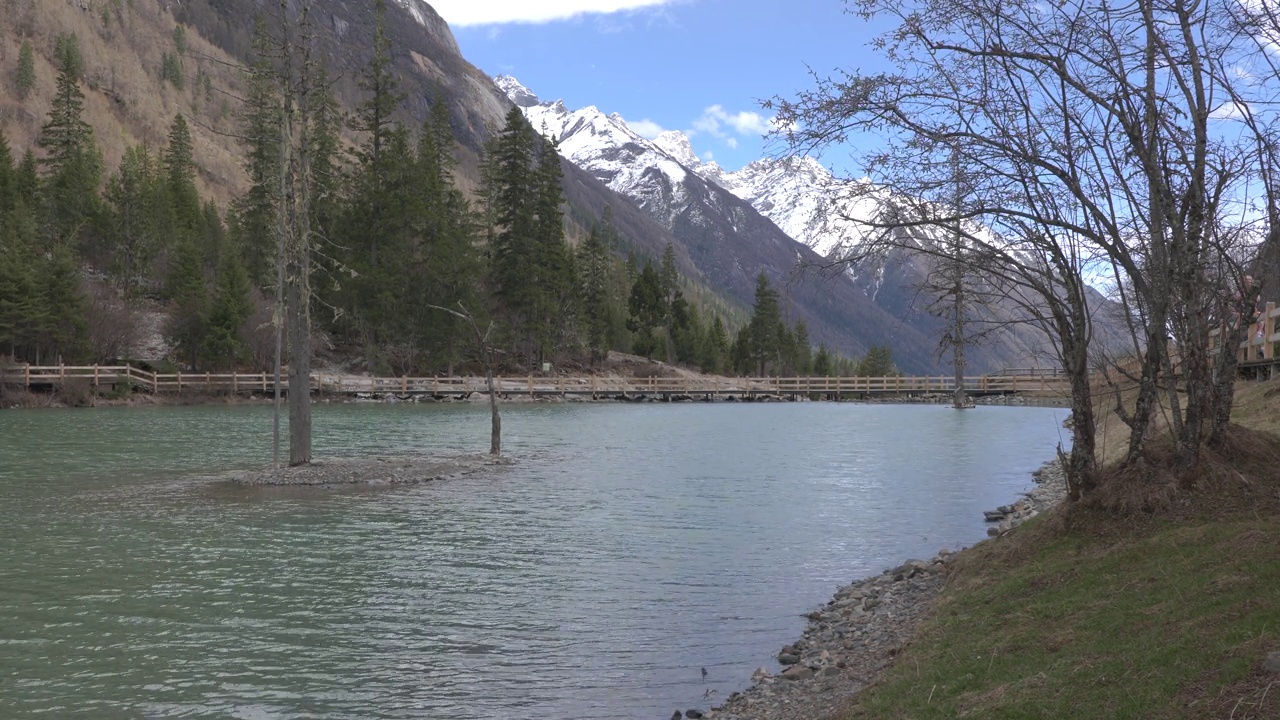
x: 111, y: 377
x: 1257, y: 356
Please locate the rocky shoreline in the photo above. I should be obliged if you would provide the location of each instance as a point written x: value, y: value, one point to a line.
x: 860, y: 630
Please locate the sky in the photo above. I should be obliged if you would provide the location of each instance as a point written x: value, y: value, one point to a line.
x: 699, y: 66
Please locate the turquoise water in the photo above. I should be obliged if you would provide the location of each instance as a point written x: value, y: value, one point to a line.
x: 626, y: 548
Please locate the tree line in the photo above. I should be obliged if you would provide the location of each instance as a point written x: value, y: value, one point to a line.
x: 392, y: 239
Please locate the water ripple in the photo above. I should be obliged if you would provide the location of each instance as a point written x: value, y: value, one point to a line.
x: 627, y: 548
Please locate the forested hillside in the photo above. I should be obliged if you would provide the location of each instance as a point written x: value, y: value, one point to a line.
x: 98, y: 224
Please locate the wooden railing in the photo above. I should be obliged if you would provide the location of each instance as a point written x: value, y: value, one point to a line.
x: 112, y: 376
x: 1256, y: 347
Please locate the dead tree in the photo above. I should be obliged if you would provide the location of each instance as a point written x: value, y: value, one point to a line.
x: 488, y: 355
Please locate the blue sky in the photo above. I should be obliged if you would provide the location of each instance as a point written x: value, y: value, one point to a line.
x: 700, y: 66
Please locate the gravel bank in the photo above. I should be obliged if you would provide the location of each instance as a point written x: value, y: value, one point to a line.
x: 860, y: 630
x: 400, y: 470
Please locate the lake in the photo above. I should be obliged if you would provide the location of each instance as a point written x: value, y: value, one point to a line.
x: 626, y: 548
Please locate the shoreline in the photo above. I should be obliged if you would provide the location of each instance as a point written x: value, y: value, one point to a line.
x: 41, y: 401
x: 855, y: 635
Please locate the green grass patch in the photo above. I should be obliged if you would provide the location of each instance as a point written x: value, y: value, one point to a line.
x: 1169, y: 621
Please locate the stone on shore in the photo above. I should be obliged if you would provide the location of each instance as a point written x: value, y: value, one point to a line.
x: 860, y: 631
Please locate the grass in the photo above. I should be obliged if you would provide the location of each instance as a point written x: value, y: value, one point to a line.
x: 1094, y: 612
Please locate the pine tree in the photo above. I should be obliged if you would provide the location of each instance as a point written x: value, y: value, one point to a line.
x: 26, y: 78
x: 594, y: 286
x: 171, y: 70
x: 766, y: 326
x: 878, y: 362
x: 254, y: 229
x: 823, y: 366
x: 73, y: 164
x: 556, y: 312
x: 447, y: 258
x: 65, y: 330
x: 180, y: 169
x: 225, y: 345
x: 648, y: 311
x: 373, y: 116
x: 804, y: 351
x: 188, y: 320
x: 21, y: 309
x: 510, y: 193
x: 138, y: 218
x: 715, y: 347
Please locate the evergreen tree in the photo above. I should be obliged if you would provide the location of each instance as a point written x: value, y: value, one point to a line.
x: 180, y: 169
x: 373, y: 116
x: 138, y: 218
x: 446, y: 259
x: 224, y: 344
x: 21, y: 306
x: 26, y: 180
x: 65, y: 331
x: 648, y: 311
x: 556, y: 317
x: 71, y: 159
x: 594, y: 289
x: 740, y: 356
x: 255, y: 211
x: 715, y: 347
x: 26, y: 76
x: 511, y: 196
x: 189, y: 317
x: 766, y: 326
x: 823, y: 365
x: 171, y: 70
x: 326, y: 149
x: 803, y: 350
x: 878, y: 362
x: 686, y: 330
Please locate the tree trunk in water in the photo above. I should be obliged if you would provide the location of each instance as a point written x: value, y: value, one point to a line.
x: 299, y: 368
x: 961, y: 402
x: 495, y: 432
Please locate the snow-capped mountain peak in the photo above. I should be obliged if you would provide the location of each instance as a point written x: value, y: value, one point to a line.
x: 604, y: 145
x: 519, y: 94
x: 676, y: 144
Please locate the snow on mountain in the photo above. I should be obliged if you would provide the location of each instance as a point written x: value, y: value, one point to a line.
x: 800, y: 196
x: 519, y: 94
x: 606, y: 147
x: 677, y: 146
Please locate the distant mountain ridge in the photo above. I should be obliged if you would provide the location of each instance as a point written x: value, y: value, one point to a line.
x: 726, y: 239
x: 788, y: 211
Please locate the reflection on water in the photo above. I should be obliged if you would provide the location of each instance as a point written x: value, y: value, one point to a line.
x: 628, y: 547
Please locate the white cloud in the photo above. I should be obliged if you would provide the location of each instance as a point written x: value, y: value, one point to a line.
x: 645, y: 128
x: 1228, y: 111
x: 720, y: 123
x: 459, y: 13
x: 708, y: 156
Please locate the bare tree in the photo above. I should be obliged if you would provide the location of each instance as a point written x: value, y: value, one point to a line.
x: 295, y: 76
x: 488, y: 355
x: 1085, y: 130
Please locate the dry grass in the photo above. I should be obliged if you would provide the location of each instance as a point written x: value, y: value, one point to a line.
x: 126, y: 102
x: 1154, y: 598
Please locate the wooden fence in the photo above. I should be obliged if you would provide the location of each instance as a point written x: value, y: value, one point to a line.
x: 114, y: 376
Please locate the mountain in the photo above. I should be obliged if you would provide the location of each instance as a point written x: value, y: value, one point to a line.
x: 770, y: 216
x: 804, y: 199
